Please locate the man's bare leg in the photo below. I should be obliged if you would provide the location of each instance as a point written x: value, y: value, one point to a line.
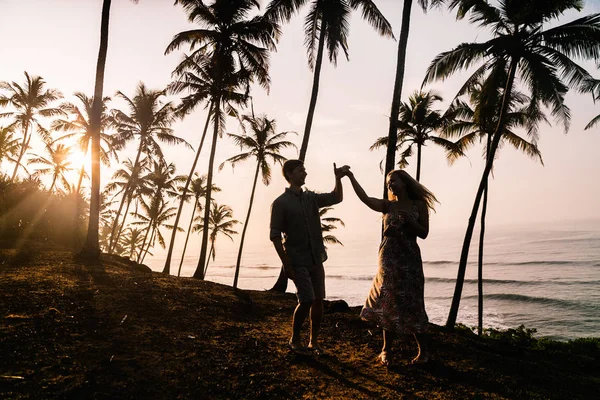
x: 300, y: 313
x: 316, y: 316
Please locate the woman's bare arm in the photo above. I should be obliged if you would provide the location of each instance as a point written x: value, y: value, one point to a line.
x: 373, y: 203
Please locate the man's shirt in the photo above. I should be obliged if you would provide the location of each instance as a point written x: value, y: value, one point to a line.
x: 296, y: 216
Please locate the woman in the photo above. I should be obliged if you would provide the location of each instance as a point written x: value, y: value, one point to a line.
x: 395, y: 302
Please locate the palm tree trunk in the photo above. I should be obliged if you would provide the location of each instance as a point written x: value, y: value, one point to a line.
x: 167, y: 267
x: 239, y: 256
x: 212, y: 248
x: 118, y: 235
x: 199, y: 273
x: 187, y: 238
x: 82, y: 168
x: 150, y: 243
x: 91, y: 248
x: 139, y: 257
x: 315, y: 92
x: 419, y: 148
x: 462, y: 266
x: 480, y: 257
x: 390, y: 157
x: 126, y: 195
x: 22, y: 151
x: 53, y: 183
x: 480, y: 264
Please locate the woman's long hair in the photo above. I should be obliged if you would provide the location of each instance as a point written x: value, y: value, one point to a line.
x: 414, y: 189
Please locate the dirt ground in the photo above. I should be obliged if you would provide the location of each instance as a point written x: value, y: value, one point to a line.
x: 113, y: 330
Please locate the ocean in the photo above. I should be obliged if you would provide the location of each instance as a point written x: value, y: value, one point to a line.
x: 543, y: 278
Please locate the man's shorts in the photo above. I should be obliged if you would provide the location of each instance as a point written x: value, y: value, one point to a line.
x: 310, y: 282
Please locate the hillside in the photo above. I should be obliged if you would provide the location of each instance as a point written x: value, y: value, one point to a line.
x: 117, y: 331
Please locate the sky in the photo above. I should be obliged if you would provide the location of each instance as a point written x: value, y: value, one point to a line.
x: 59, y: 41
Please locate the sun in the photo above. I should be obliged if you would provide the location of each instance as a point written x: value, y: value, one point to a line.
x: 77, y: 158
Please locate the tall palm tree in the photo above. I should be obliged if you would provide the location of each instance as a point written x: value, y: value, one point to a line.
x: 390, y: 158
x: 149, y: 120
x: 417, y: 120
x: 328, y: 224
x: 91, y: 248
x: 197, y: 191
x: 233, y: 48
x: 327, y: 24
x: 195, y: 77
x: 479, y: 122
x: 9, y: 144
x: 80, y: 128
x: 57, y: 164
x: 30, y: 102
x: 541, y: 58
x: 220, y: 222
x: 262, y: 145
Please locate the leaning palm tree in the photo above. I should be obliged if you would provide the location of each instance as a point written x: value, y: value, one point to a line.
x: 57, y: 164
x: 329, y: 224
x: 262, y: 145
x: 80, y: 128
x: 543, y: 59
x: 479, y: 122
x: 30, y: 103
x: 149, y: 120
x: 91, y: 248
x: 234, y: 49
x: 417, y: 121
x: 390, y: 158
x: 327, y: 24
x: 197, y: 191
x: 220, y: 222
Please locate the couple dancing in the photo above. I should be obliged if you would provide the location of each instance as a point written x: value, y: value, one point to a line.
x: 395, y: 302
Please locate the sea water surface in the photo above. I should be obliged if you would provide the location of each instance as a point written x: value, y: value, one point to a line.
x: 543, y: 278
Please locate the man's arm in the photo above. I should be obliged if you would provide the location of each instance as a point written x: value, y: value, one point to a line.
x: 285, y: 259
x: 337, y: 195
x: 276, y: 226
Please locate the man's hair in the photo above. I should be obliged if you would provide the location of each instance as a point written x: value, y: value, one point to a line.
x: 289, y: 166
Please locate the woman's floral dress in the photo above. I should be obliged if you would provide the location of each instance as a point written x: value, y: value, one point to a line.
x: 396, y: 302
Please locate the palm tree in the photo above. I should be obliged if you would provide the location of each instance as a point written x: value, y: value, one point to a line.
x: 541, y: 58
x: 9, y: 145
x: 398, y: 82
x: 417, y: 121
x: 220, y: 221
x: 328, y: 224
x: 263, y: 145
x: 80, y: 127
x: 57, y: 164
x: 91, y: 248
x: 234, y: 50
x: 479, y: 122
x: 197, y: 79
x: 157, y: 213
x: 30, y: 102
x: 197, y: 191
x: 327, y: 23
x: 149, y: 119
x: 131, y: 239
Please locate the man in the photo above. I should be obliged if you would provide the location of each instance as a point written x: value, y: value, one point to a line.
x: 295, y: 215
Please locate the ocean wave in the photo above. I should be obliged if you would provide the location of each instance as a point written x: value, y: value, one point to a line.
x: 594, y: 263
x: 513, y: 282
x: 520, y: 298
